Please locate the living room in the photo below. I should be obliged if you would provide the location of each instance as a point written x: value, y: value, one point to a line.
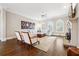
x: 54, y: 28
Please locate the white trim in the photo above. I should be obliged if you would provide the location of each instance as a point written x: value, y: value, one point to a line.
x: 17, y: 13
x: 2, y: 39
x: 25, y: 16
x: 8, y: 38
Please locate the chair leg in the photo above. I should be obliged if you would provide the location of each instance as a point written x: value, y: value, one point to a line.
x: 30, y: 46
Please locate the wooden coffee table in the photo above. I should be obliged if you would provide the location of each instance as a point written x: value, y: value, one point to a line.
x: 40, y: 35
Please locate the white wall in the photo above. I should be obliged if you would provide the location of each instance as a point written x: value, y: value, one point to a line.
x: 2, y: 24
x: 78, y: 26
x: 74, y: 33
x: 78, y: 35
x: 13, y: 24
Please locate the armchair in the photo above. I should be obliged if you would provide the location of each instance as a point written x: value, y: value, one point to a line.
x: 27, y: 39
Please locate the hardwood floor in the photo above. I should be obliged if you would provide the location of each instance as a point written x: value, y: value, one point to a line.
x: 57, y: 48
x: 16, y: 48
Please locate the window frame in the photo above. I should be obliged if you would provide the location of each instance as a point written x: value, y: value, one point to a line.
x: 60, y: 21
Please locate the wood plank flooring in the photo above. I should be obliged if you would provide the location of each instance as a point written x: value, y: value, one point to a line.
x: 16, y: 48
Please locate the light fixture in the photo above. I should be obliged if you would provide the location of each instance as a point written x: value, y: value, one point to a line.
x: 73, y: 10
x: 43, y: 14
x: 65, y: 7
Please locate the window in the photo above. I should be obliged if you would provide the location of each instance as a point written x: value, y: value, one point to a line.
x: 69, y: 26
x: 59, y: 25
x: 48, y: 28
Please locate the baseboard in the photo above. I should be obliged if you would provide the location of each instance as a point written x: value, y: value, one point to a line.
x: 5, y: 39
x: 12, y: 37
x: 2, y: 39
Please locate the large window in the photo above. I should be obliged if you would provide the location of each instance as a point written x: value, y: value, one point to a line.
x: 69, y: 26
x: 50, y: 28
x: 60, y: 26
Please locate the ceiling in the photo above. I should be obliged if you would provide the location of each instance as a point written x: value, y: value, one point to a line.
x: 37, y: 11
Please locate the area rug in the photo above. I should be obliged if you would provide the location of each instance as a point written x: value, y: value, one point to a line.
x: 45, y: 43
